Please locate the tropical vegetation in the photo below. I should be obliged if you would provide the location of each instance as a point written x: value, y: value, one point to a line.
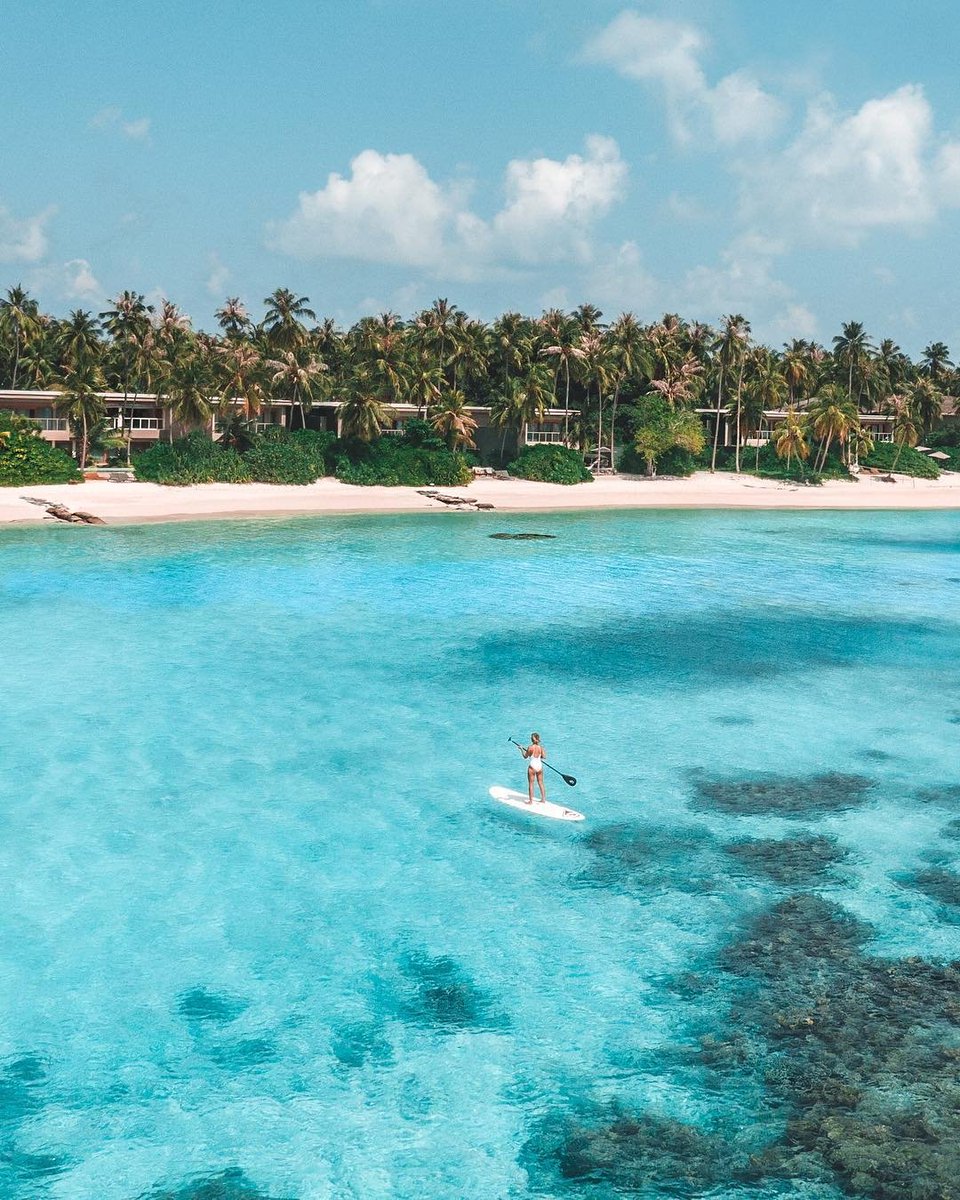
x: 628, y: 391
x: 26, y: 459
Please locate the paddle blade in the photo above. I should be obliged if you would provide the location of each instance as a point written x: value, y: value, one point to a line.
x: 569, y: 779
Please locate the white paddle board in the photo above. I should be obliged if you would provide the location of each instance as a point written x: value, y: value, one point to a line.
x: 539, y: 808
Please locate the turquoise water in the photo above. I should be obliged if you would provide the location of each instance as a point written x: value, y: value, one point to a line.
x: 259, y: 916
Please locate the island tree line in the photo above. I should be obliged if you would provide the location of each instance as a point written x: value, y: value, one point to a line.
x: 622, y: 385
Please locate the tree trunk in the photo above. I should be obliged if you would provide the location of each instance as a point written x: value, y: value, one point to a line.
x: 736, y: 431
x: 566, y: 408
x: 613, y: 431
x: 822, y: 461
x: 83, y: 441
x: 716, y: 432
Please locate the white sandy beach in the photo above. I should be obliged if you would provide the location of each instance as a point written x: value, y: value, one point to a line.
x: 118, y: 503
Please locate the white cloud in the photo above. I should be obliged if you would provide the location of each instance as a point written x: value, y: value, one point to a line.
x: 217, y: 276
x: 137, y: 129
x: 112, y: 117
x: 23, y: 239
x: 741, y: 282
x: 620, y: 282
x: 73, y: 280
x: 666, y: 54
x: 389, y: 210
x: 843, y: 176
x: 551, y: 205
x: 80, y: 283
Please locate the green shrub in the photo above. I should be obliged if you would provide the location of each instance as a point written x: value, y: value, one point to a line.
x: 550, y: 464
x: 676, y: 462
x: 272, y: 460
x: 193, y: 459
x: 909, y: 461
x: 316, y: 445
x: 25, y: 458
x: 389, y: 464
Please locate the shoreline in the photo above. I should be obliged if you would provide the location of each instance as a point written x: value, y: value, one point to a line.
x: 150, y: 503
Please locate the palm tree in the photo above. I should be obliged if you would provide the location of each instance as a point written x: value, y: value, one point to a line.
x: 790, y: 437
x: 852, y: 349
x: 895, y: 366
x: 935, y: 360
x: 233, y: 317
x: 283, y: 320
x: 905, y: 431
x: 454, y: 423
x: 597, y: 369
x: 729, y: 348
x: 80, y: 401
x: 766, y: 388
x: 630, y: 356
x: 681, y: 384
x: 295, y: 376
x: 78, y: 338
x: 190, y: 387
x: 926, y: 402
x: 424, y: 380
x: 127, y: 323
x: 363, y: 414
x: 512, y: 338
x: 242, y: 367
x: 19, y: 316
x: 833, y: 417
x: 567, y: 352
x: 797, y: 367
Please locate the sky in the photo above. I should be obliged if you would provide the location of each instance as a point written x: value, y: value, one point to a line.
x: 795, y: 162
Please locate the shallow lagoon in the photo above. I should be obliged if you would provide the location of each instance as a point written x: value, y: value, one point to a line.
x: 261, y: 918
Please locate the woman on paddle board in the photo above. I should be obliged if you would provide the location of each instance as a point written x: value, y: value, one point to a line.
x: 535, y: 756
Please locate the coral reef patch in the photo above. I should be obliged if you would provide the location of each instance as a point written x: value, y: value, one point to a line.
x: 780, y: 795
x: 231, y: 1184
x: 644, y: 857
x: 439, y: 994
x: 793, y: 862
x: 856, y: 1057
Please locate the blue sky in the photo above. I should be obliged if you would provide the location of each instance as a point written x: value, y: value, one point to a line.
x: 796, y: 162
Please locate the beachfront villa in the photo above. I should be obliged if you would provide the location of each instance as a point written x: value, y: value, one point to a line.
x: 148, y: 420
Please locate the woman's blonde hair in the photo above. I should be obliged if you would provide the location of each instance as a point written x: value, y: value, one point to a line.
x: 534, y: 737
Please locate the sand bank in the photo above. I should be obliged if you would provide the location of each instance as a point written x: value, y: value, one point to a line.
x: 140, y: 502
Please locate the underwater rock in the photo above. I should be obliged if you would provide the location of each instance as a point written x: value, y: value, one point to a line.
x: 733, y: 721
x: 857, y: 1058
x: 788, y: 937
x: 652, y: 858
x: 862, y: 1051
x: 32, y: 1166
x: 200, y: 1005
x: 875, y: 754
x: 230, y: 1184
x: 947, y: 795
x: 690, y: 651
x: 21, y: 1080
x: 791, y: 861
x: 522, y: 537
x: 951, y: 829
x: 442, y: 996
x: 641, y: 1154
x: 939, y: 884
x: 781, y: 795
x: 359, y: 1042
x: 244, y: 1054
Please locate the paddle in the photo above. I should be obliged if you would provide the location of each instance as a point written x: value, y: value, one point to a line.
x: 568, y: 779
